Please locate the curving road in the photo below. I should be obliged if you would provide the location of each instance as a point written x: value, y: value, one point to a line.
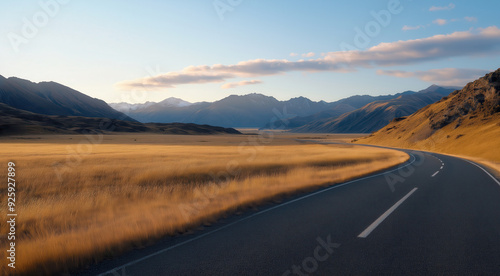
x: 433, y: 215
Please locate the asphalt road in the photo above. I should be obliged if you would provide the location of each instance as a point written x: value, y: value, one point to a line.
x: 433, y: 215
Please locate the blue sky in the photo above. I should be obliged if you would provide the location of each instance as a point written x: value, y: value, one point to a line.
x: 150, y: 50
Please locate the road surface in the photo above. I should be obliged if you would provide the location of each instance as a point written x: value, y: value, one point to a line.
x: 433, y: 215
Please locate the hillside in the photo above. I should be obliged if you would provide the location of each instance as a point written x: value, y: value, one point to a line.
x: 375, y: 115
x: 14, y: 121
x: 51, y: 98
x: 467, y: 122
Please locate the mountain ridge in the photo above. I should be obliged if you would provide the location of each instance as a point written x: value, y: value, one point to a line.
x: 52, y: 98
x: 251, y: 110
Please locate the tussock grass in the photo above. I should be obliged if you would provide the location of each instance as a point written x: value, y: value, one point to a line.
x: 119, y: 196
x: 477, y: 139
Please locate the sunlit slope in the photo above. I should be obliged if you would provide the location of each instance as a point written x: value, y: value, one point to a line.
x: 466, y: 123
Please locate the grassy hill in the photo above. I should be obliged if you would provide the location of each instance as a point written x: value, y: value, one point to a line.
x: 467, y: 122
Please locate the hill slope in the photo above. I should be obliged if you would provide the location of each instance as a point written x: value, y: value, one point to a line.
x: 467, y: 122
x: 377, y: 114
x: 14, y: 121
x: 51, y: 98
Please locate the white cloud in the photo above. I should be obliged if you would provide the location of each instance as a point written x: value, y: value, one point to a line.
x: 293, y: 54
x: 445, y: 76
x: 485, y: 42
x: 449, y: 7
x: 440, y: 22
x: 411, y: 28
x: 470, y: 18
x: 310, y: 54
x: 241, y: 83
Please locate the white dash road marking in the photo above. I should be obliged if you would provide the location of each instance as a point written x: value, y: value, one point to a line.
x: 377, y: 222
x: 435, y: 174
x: 441, y: 168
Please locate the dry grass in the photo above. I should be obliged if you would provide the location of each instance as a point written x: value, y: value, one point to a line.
x: 119, y: 196
x: 477, y: 140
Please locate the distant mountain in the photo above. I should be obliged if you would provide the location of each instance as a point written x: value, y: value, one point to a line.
x: 252, y: 110
x: 15, y: 121
x: 337, y: 109
x: 169, y: 102
x: 443, y: 90
x: 174, y: 102
x: 466, y: 122
x: 128, y: 107
x: 51, y: 98
x: 377, y: 114
x: 299, y: 121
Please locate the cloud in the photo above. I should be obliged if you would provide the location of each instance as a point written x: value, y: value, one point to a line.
x: 479, y: 42
x: 445, y: 76
x: 411, y: 28
x: 440, y: 22
x: 449, y: 7
x: 310, y: 54
x: 169, y: 80
x: 241, y: 83
x: 293, y: 54
x: 470, y: 19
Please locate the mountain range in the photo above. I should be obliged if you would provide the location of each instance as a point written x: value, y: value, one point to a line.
x: 251, y: 110
x: 377, y: 114
x: 337, y: 109
x: 356, y: 114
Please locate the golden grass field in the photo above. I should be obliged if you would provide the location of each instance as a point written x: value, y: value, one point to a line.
x: 80, y: 203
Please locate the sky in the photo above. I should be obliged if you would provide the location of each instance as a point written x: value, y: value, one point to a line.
x: 205, y: 50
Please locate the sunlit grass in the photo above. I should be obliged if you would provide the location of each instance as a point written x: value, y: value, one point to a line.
x: 476, y: 139
x: 118, y: 196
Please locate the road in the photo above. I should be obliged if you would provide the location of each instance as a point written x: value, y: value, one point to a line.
x: 433, y: 215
